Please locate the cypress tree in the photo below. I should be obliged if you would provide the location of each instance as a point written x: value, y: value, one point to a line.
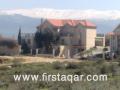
x: 19, y: 37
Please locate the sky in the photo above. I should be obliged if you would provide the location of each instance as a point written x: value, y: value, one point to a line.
x: 61, y: 4
x: 97, y: 5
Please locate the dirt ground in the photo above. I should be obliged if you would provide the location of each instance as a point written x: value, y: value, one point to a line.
x: 33, y: 59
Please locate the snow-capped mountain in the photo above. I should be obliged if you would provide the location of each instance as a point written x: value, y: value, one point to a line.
x: 74, y: 14
x: 28, y: 19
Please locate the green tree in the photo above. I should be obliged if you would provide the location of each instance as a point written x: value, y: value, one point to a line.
x: 46, y: 38
x: 39, y: 39
x: 25, y: 47
x: 19, y: 37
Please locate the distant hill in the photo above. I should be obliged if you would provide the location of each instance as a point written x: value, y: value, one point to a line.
x: 9, y: 24
x: 105, y: 26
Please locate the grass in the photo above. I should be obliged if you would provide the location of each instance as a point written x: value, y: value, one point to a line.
x: 87, y: 67
x: 44, y: 89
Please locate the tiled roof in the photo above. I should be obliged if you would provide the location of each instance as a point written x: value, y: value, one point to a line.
x: 60, y: 22
x: 110, y: 33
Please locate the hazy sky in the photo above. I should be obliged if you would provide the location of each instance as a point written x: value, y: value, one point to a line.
x: 57, y: 4
x: 61, y: 4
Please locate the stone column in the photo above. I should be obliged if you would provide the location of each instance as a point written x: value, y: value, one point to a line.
x: 20, y: 50
x: 104, y: 41
x: 37, y: 51
x: 53, y: 52
x: 68, y: 54
x: 62, y: 51
x: 31, y: 51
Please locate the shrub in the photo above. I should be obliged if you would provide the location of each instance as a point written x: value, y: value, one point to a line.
x: 100, y: 62
x: 9, y: 43
x: 57, y: 65
x: 115, y: 69
x: 105, y: 69
x: 72, y: 66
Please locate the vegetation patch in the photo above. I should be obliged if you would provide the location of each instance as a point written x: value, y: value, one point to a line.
x: 87, y: 67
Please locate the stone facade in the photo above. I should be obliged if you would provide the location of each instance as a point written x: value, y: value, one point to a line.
x: 77, y: 34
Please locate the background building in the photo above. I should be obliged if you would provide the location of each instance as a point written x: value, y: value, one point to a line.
x: 100, y: 40
x: 115, y: 40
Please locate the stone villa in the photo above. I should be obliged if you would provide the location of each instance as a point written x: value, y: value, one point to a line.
x: 75, y: 36
x: 79, y: 35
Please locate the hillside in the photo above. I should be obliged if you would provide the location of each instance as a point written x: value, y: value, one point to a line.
x: 28, y: 19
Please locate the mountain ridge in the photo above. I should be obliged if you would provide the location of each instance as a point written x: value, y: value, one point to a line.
x: 62, y: 14
x: 12, y: 20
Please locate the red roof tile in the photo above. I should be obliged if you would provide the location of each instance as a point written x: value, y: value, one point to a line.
x: 56, y: 22
x: 87, y: 23
x: 59, y: 22
x: 110, y: 33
